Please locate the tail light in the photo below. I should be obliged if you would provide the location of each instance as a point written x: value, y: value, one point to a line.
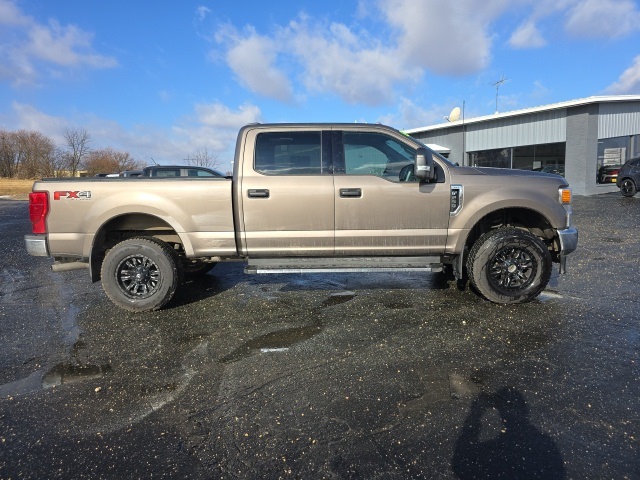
x: 38, y: 211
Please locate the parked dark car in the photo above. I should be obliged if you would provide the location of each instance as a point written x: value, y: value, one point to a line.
x: 555, y: 169
x: 608, y: 173
x: 165, y: 171
x: 131, y: 173
x: 629, y: 177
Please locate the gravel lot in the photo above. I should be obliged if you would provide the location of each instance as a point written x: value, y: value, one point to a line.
x: 325, y: 376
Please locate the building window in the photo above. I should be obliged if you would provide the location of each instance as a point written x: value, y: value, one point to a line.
x: 547, y: 157
x: 612, y: 154
x: 499, y: 158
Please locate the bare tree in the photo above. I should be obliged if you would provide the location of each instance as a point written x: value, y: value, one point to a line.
x: 77, y: 142
x: 108, y: 160
x: 58, y: 162
x: 203, y: 158
x: 35, y: 154
x: 9, y: 158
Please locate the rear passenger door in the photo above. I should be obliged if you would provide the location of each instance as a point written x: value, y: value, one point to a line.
x: 287, y: 193
x: 381, y: 209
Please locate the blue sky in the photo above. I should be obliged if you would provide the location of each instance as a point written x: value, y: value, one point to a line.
x: 164, y: 80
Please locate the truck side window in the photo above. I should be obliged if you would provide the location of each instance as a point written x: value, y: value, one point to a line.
x: 288, y: 153
x: 376, y: 154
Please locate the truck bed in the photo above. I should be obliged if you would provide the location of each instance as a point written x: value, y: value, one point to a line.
x: 199, y: 210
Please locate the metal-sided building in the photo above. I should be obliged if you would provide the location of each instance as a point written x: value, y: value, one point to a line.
x: 584, y: 140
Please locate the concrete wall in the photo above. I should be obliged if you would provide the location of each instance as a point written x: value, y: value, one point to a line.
x: 581, y: 157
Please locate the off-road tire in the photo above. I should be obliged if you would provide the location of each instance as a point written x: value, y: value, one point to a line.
x: 508, y: 265
x: 141, y: 274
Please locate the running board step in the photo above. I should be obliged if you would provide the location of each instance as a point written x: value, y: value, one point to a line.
x: 344, y: 265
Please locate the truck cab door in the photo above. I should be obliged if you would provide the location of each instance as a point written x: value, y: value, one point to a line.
x: 381, y: 208
x: 286, y: 193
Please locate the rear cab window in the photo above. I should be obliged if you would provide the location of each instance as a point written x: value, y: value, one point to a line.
x: 292, y: 153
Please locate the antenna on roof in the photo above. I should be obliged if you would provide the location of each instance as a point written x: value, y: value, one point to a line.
x: 497, y: 85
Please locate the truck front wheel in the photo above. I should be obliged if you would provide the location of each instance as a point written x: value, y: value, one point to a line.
x: 508, y: 265
x: 141, y: 274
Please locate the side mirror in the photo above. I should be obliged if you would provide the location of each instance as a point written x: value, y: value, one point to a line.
x: 424, y: 168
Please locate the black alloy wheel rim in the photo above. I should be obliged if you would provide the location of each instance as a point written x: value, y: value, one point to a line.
x: 512, y: 269
x: 138, y: 276
x: 626, y: 186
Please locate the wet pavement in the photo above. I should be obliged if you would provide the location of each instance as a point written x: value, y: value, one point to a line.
x: 325, y: 376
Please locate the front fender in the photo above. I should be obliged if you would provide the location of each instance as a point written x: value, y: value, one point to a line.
x: 479, y: 205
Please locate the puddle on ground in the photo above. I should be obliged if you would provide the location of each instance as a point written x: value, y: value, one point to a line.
x: 278, y: 341
x: 441, y: 389
x: 68, y: 373
x: 58, y: 375
x: 338, y: 298
x: 548, y: 295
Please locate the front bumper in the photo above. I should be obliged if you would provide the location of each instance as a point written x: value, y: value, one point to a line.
x: 568, y: 243
x: 36, y: 245
x: 568, y: 240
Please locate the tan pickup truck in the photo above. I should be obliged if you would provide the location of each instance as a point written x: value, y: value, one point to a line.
x: 310, y: 198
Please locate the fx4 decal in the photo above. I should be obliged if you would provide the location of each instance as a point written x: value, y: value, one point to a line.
x: 72, y: 195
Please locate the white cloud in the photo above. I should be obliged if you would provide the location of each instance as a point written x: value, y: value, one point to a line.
x: 449, y: 38
x: 202, y: 12
x: 395, y: 42
x: 252, y: 58
x: 10, y: 14
x: 629, y: 81
x: 540, y: 91
x: 410, y: 115
x: 217, y: 115
x: 212, y: 126
x: 335, y: 60
x: 27, y: 46
x: 527, y: 35
x: 602, y: 18
x: 65, y: 46
x: 27, y: 117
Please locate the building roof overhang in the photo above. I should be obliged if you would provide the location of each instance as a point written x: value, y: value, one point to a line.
x: 528, y: 111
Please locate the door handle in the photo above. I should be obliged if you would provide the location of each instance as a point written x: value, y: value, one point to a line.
x: 350, y: 192
x: 258, y: 193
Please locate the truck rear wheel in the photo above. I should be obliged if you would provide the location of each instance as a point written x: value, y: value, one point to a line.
x: 141, y: 274
x: 509, y: 265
